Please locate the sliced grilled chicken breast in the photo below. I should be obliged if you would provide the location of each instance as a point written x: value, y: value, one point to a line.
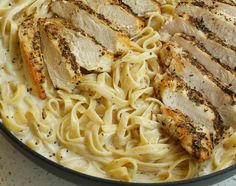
x: 195, y: 75
x: 195, y: 139
x: 88, y: 53
x: 177, y: 95
x: 210, y: 22
x: 140, y: 7
x: 219, y: 7
x: 81, y: 16
x: 226, y: 77
x: 118, y: 16
x: 61, y: 64
x: 221, y: 52
x: 224, y: 11
x: 29, y: 40
x: 67, y: 49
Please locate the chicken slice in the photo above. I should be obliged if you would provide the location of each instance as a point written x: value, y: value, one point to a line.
x: 177, y: 95
x: 118, y: 16
x: 67, y: 49
x: 226, y: 77
x: 210, y: 22
x: 187, y: 68
x: 224, y: 11
x: 88, y: 54
x: 61, y: 64
x: 224, y: 54
x: 29, y: 40
x: 81, y: 16
x: 220, y: 8
x: 140, y: 7
x: 195, y: 139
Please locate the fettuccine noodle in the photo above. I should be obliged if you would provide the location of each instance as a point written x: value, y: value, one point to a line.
x: 109, y: 129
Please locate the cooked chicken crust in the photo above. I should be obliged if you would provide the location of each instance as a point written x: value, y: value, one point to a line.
x: 177, y: 95
x: 195, y: 140
x: 30, y: 46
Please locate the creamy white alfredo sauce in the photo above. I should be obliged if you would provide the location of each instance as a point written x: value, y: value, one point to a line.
x: 109, y: 129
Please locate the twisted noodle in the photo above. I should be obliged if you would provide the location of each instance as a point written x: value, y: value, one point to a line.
x: 109, y: 129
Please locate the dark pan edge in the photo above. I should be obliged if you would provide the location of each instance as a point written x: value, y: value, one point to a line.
x: 80, y: 178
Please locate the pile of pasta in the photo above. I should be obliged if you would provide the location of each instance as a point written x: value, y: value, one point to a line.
x: 109, y: 129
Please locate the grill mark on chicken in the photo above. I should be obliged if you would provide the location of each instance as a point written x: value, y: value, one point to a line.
x: 29, y: 39
x: 196, y: 98
x: 227, y: 79
x: 194, y: 139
